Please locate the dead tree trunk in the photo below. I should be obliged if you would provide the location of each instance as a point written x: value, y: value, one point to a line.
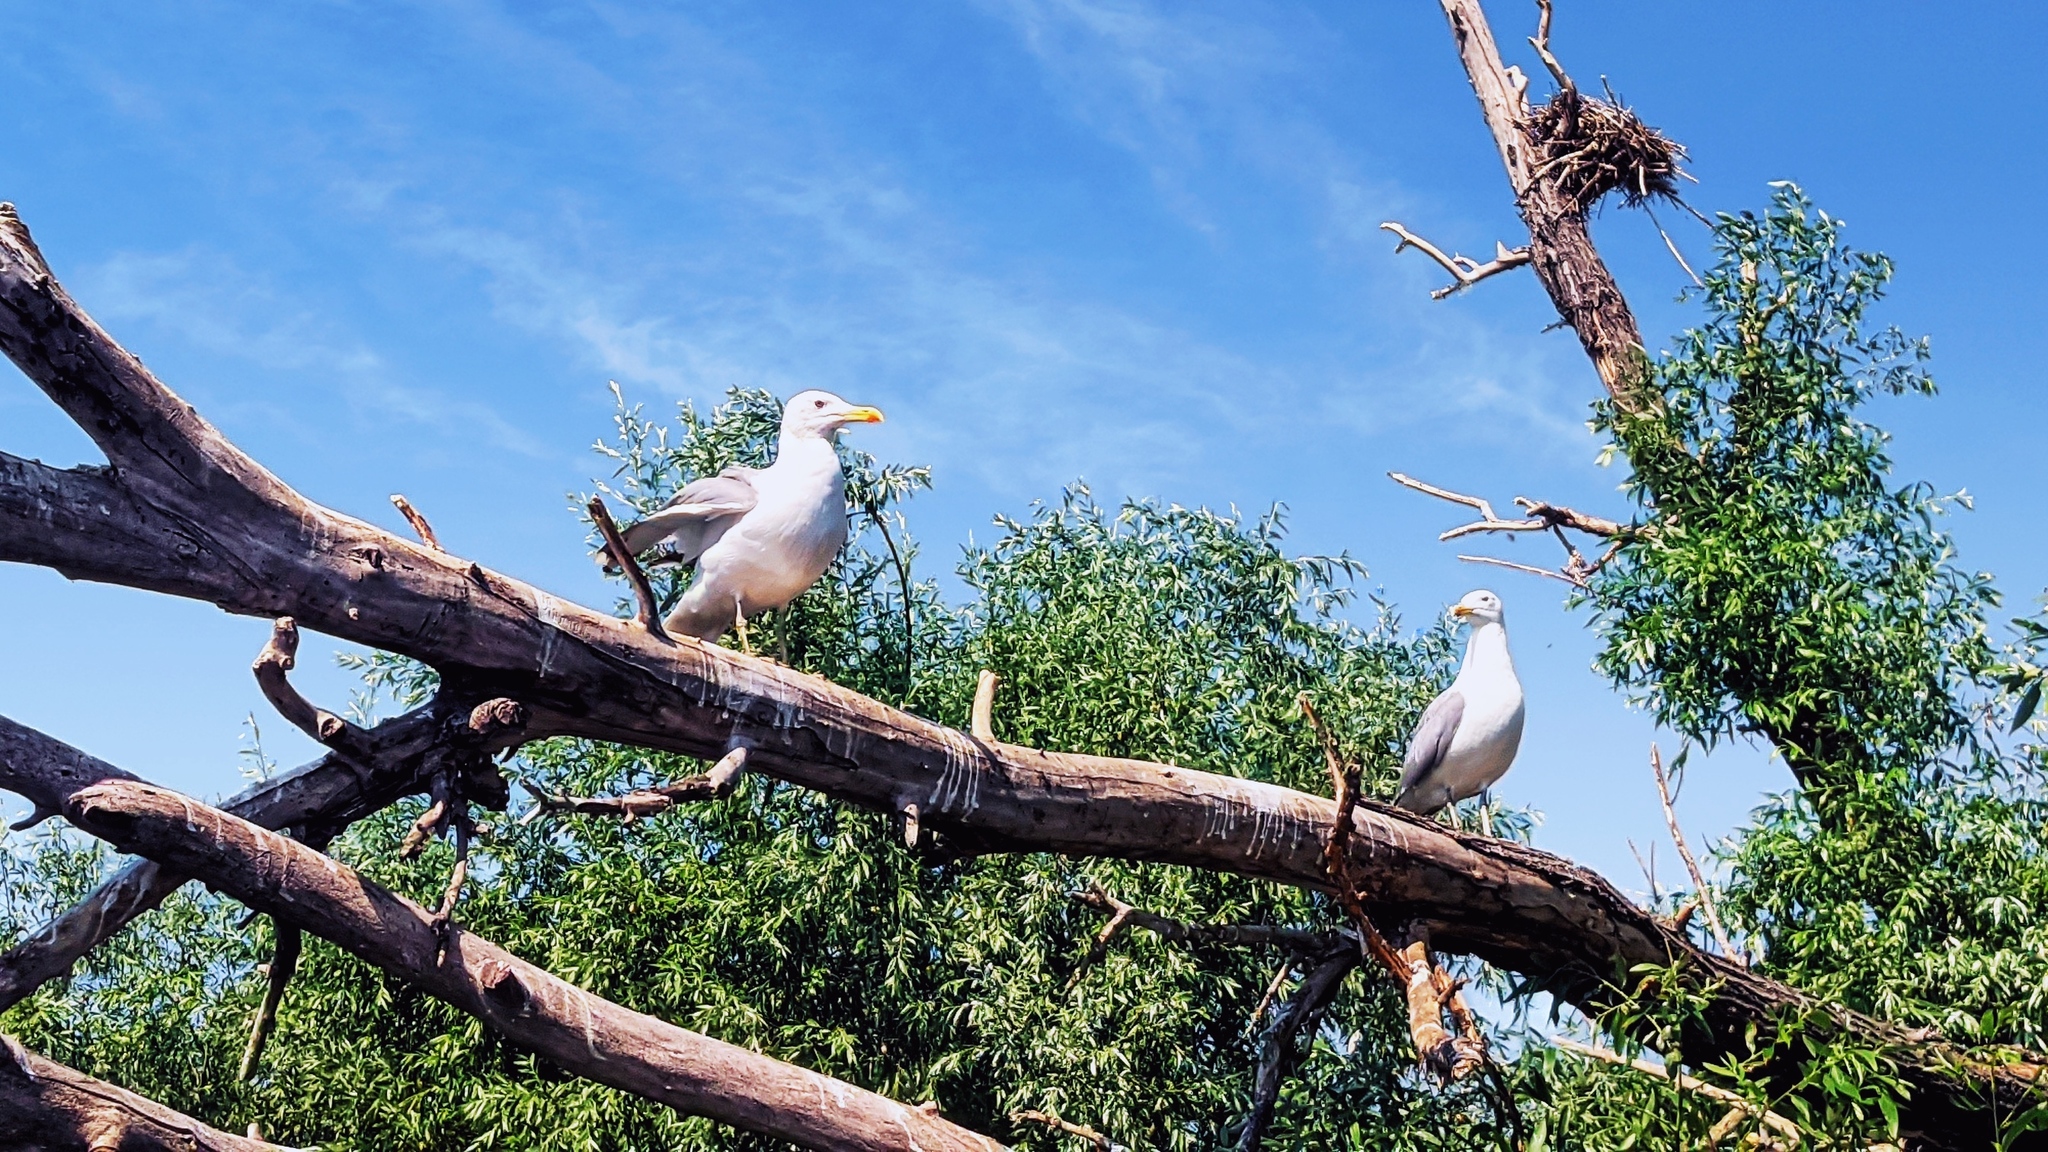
x: 46, y: 1107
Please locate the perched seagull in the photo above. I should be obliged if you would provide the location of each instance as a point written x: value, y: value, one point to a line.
x: 1469, y: 734
x: 758, y: 536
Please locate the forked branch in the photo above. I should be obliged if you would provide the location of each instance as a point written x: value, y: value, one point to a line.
x: 716, y: 784
x: 1465, y: 270
x: 1702, y: 893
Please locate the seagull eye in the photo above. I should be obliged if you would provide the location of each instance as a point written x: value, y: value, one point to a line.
x: 817, y: 403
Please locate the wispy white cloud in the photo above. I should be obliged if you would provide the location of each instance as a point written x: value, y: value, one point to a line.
x: 207, y: 301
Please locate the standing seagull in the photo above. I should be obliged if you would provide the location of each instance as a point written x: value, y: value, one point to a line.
x: 1469, y: 734
x: 758, y: 536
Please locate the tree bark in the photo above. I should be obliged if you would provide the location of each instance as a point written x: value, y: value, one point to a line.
x: 393, y: 760
x: 182, y: 511
x: 1561, y: 249
x: 585, y: 1034
x: 46, y: 1107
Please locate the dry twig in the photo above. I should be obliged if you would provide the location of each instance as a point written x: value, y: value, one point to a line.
x: 1691, y: 1084
x: 716, y: 784
x: 418, y: 522
x: 1704, y: 895
x: 1429, y: 990
x: 649, y: 613
x: 1031, y: 1115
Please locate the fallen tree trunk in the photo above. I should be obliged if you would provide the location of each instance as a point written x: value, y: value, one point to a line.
x: 46, y: 1107
x: 583, y: 1033
x: 182, y: 511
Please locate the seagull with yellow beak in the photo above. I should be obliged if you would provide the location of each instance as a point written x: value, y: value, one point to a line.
x: 1470, y: 733
x: 758, y: 536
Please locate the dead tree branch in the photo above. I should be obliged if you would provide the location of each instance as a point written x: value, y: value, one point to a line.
x: 184, y: 512
x: 1301, y: 941
x: 716, y: 784
x: 320, y: 799
x: 283, y: 963
x: 981, y: 719
x: 1691, y: 1084
x: 1033, y: 1116
x: 649, y: 612
x: 1543, y: 517
x: 1428, y: 989
x: 272, y: 666
x: 1282, y: 1051
x: 47, y: 1107
x: 418, y: 522
x: 1704, y: 894
x: 1465, y: 270
x: 589, y: 1036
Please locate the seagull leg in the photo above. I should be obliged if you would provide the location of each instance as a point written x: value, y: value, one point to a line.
x: 739, y: 619
x: 1486, y: 811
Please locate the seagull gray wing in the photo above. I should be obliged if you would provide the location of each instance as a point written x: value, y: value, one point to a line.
x: 696, y: 517
x: 1431, y: 742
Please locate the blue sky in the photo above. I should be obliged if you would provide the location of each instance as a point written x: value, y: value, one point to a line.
x: 403, y: 247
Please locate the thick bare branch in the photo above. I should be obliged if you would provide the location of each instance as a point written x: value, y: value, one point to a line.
x: 189, y: 515
x: 46, y: 1107
x: 1465, y: 270
x: 580, y: 1032
x: 272, y: 668
x: 319, y: 799
x: 1281, y: 1053
x: 1561, y: 249
x: 981, y: 719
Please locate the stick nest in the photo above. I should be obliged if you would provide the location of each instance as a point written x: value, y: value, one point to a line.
x: 1590, y: 147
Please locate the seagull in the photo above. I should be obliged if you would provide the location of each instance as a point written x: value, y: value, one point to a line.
x: 758, y: 536
x: 1469, y: 734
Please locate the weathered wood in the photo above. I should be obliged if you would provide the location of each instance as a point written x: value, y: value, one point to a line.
x: 184, y: 512
x: 319, y: 798
x: 576, y: 1030
x: 46, y: 1107
x: 1561, y: 249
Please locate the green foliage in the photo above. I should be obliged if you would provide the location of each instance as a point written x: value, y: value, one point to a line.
x: 1779, y: 582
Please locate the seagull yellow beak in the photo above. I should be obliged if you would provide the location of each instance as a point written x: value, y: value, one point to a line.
x: 1460, y: 611
x: 863, y: 415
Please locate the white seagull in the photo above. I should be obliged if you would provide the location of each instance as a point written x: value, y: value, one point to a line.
x: 758, y: 536
x: 1469, y: 734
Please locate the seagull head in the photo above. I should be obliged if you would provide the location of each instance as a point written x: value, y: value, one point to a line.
x: 821, y: 415
x: 1479, y: 607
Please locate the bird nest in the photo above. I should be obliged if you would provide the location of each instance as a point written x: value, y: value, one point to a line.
x: 1588, y: 147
